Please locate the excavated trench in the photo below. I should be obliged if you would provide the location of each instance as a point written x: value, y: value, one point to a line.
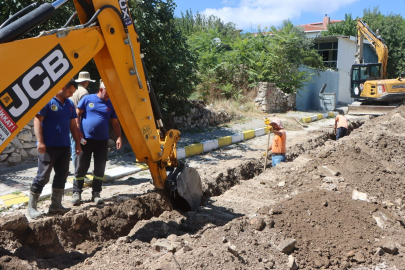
x: 80, y: 233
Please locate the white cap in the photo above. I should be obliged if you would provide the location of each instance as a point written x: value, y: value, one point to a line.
x: 102, y: 84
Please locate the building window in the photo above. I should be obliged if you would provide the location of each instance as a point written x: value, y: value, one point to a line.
x: 328, y: 51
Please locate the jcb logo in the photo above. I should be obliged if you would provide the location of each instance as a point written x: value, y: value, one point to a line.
x: 36, y: 82
x: 125, y: 12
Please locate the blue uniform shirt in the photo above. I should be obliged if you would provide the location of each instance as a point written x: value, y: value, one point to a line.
x: 95, y: 117
x: 56, y: 123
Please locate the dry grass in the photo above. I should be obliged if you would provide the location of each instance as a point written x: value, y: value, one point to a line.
x: 235, y: 109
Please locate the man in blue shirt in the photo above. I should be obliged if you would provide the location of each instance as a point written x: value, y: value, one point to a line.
x: 52, y: 126
x: 94, y: 114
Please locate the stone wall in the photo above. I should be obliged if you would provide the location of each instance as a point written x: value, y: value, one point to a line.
x: 22, y: 148
x: 271, y: 99
x: 200, y: 115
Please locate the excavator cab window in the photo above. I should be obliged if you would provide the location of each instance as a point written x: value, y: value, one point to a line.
x: 375, y: 73
x: 360, y: 73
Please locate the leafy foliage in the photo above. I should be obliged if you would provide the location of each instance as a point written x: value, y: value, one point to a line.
x: 170, y: 65
x: 346, y: 28
x: 230, y: 65
x: 189, y: 23
x: 392, y: 30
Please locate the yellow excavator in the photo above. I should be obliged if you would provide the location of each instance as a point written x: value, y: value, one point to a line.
x: 33, y: 70
x: 369, y: 86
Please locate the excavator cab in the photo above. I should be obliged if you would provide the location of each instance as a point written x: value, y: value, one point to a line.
x: 359, y: 74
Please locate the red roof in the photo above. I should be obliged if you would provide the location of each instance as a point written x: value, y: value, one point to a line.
x: 318, y: 26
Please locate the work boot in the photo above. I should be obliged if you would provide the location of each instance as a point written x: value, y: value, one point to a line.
x: 96, y: 198
x: 32, y: 206
x: 76, y: 198
x: 56, y: 202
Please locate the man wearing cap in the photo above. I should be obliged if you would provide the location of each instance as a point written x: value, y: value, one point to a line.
x: 52, y: 125
x: 94, y: 113
x: 278, y: 146
x: 83, y: 80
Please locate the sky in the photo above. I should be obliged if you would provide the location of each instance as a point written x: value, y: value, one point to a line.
x: 249, y: 14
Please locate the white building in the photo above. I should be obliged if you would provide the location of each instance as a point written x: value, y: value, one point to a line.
x: 338, y: 53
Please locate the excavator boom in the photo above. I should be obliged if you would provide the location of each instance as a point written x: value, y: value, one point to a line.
x: 363, y: 30
x: 35, y: 69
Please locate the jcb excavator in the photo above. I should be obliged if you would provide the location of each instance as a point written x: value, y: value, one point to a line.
x: 374, y: 93
x: 33, y: 70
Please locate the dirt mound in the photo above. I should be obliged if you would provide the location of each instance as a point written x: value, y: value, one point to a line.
x: 55, y: 239
x: 332, y: 230
x: 305, y: 215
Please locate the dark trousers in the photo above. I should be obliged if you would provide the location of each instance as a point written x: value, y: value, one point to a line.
x: 100, y: 150
x: 58, y: 158
x: 341, y: 132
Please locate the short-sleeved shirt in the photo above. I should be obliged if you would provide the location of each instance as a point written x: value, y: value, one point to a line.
x: 95, y: 117
x: 78, y: 95
x: 56, y: 123
x: 279, y: 144
x: 341, y: 121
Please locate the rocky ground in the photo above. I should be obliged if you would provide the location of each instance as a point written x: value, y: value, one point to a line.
x: 334, y: 205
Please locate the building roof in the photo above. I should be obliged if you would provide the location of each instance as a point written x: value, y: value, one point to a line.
x: 319, y: 26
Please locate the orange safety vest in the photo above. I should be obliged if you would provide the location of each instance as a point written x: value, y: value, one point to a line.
x: 278, y: 145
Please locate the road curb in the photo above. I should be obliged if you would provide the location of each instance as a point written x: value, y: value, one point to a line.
x: 319, y: 116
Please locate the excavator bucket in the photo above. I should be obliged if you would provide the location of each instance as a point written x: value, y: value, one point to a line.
x: 184, y: 184
x: 189, y: 187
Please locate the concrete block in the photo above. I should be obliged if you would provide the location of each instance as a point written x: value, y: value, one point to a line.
x: 194, y: 149
x: 306, y: 119
x: 119, y: 172
x: 224, y: 141
x: 142, y: 166
x: 210, y: 145
x: 314, y: 118
x: 238, y: 137
x: 11, y: 199
x: 320, y: 116
x: 333, y: 114
x: 248, y: 134
x: 259, y: 132
x: 181, y: 153
x: 325, y: 115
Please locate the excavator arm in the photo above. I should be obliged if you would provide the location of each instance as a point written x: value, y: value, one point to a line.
x: 377, y: 42
x: 35, y: 69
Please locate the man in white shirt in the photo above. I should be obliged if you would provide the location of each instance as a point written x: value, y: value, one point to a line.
x: 83, y: 80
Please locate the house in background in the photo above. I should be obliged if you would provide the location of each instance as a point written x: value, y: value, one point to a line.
x: 338, y: 53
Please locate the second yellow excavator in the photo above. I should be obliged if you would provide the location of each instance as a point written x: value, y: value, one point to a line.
x: 33, y: 70
x: 374, y: 93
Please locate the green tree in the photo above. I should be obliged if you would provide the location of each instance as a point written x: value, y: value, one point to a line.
x: 392, y: 30
x: 190, y: 23
x: 346, y: 28
x: 170, y: 65
x: 232, y: 67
